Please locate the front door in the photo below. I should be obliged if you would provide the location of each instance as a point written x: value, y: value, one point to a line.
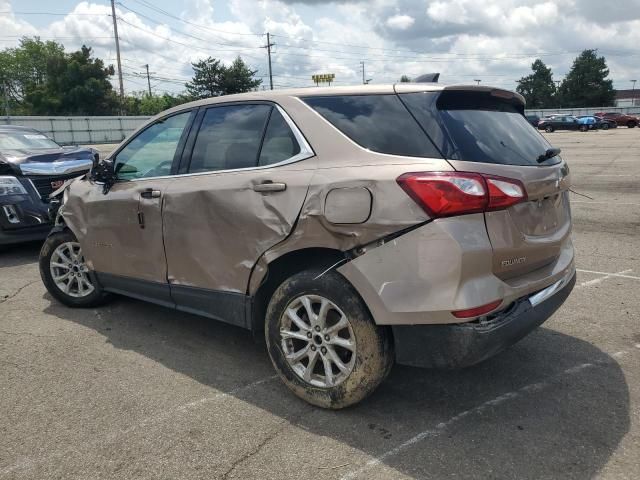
x: 124, y: 227
x: 248, y: 176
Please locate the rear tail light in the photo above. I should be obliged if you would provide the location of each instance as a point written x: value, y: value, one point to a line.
x: 446, y: 194
x: 477, y: 311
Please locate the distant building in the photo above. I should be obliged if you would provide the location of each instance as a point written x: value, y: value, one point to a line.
x: 628, y: 98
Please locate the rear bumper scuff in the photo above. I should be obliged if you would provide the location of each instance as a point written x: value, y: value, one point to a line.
x: 465, y: 344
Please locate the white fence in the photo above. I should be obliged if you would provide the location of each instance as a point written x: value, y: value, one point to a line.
x: 80, y: 130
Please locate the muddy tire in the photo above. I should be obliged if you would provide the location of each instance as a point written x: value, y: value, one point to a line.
x: 65, y: 275
x: 323, y: 342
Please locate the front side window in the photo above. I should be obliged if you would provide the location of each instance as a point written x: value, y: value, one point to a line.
x: 379, y: 123
x: 229, y: 138
x: 151, y: 152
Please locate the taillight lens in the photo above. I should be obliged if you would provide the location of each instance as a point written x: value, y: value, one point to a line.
x: 446, y: 194
x: 477, y: 311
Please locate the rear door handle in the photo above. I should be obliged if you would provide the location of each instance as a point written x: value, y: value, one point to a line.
x: 150, y: 193
x: 270, y: 187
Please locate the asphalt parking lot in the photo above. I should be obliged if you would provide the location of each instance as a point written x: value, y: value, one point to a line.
x: 133, y: 390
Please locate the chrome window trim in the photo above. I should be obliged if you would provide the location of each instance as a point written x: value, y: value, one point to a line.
x: 64, y: 167
x: 305, y: 152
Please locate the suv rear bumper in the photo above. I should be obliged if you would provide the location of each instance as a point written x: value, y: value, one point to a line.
x: 465, y: 344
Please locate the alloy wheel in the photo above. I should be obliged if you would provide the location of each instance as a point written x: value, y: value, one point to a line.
x: 69, y: 270
x: 317, y: 340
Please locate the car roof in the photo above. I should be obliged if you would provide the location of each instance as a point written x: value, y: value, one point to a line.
x: 274, y: 95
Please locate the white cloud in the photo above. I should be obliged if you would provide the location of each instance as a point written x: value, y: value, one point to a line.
x: 495, y: 40
x: 400, y: 22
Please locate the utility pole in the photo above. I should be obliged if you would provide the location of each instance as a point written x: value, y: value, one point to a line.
x: 633, y: 93
x: 148, y: 79
x: 115, y: 33
x: 477, y: 80
x: 364, y: 82
x: 268, y: 47
x: 6, y: 100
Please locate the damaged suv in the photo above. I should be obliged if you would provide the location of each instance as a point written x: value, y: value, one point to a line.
x: 355, y: 227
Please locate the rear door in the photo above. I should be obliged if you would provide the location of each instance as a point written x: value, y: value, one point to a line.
x: 485, y: 132
x: 246, y: 179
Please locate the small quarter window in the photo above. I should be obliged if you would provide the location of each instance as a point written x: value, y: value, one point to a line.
x: 279, y: 141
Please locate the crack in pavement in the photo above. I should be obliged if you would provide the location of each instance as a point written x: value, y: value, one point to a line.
x: 11, y: 295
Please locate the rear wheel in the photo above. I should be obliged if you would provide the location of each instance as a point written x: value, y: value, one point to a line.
x: 549, y: 129
x: 631, y: 124
x: 605, y: 126
x: 323, y: 342
x: 65, y: 274
x: 584, y: 128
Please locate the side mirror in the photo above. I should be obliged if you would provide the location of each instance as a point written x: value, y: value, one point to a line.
x: 103, y: 174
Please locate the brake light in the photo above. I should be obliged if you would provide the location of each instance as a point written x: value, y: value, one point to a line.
x: 477, y: 311
x: 446, y: 194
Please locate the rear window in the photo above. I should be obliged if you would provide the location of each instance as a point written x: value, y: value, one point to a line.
x: 478, y: 127
x: 379, y: 123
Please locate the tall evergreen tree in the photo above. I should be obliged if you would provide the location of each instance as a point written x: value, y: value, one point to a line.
x: 207, y: 79
x: 538, y: 88
x: 238, y: 78
x: 586, y: 84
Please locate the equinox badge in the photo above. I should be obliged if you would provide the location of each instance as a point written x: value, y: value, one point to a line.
x: 513, y: 261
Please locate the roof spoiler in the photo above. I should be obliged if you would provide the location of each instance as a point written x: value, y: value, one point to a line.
x: 428, y: 78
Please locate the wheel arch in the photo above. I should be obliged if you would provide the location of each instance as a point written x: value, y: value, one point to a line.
x: 284, y: 267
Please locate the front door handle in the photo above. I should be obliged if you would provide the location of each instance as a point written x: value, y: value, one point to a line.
x: 150, y: 193
x: 269, y: 186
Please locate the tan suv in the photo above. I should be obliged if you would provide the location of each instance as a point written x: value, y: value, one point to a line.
x: 418, y: 223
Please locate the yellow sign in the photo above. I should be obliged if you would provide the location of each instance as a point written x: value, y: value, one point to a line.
x: 323, y: 77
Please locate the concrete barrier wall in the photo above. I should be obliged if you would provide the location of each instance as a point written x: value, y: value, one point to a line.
x: 80, y: 130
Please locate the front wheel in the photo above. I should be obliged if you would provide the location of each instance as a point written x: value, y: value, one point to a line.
x: 65, y: 274
x: 323, y: 342
x: 605, y: 126
x: 631, y: 124
x: 548, y: 129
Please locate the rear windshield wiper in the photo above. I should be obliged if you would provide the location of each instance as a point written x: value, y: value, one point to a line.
x: 550, y: 153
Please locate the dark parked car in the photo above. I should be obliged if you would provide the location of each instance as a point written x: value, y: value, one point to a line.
x: 593, y: 122
x: 630, y: 121
x: 551, y: 124
x: 533, y: 119
x: 32, y: 166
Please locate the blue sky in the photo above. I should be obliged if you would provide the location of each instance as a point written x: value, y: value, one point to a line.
x: 492, y: 40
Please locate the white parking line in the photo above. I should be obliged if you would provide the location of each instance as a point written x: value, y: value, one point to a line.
x: 605, y: 203
x: 609, y: 274
x: 441, y: 427
x: 601, y: 279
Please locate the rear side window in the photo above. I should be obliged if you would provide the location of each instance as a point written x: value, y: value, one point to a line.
x: 376, y: 122
x: 229, y: 138
x: 476, y: 126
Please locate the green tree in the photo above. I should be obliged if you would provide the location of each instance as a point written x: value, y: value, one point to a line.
x: 24, y: 68
x: 211, y: 78
x: 404, y: 79
x: 141, y: 103
x: 538, y: 88
x: 77, y: 84
x: 207, y: 77
x: 586, y: 84
x: 238, y: 78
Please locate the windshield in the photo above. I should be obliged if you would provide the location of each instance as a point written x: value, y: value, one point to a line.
x: 25, y: 141
x: 476, y: 126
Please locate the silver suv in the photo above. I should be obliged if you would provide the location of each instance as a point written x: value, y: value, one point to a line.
x: 418, y: 223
